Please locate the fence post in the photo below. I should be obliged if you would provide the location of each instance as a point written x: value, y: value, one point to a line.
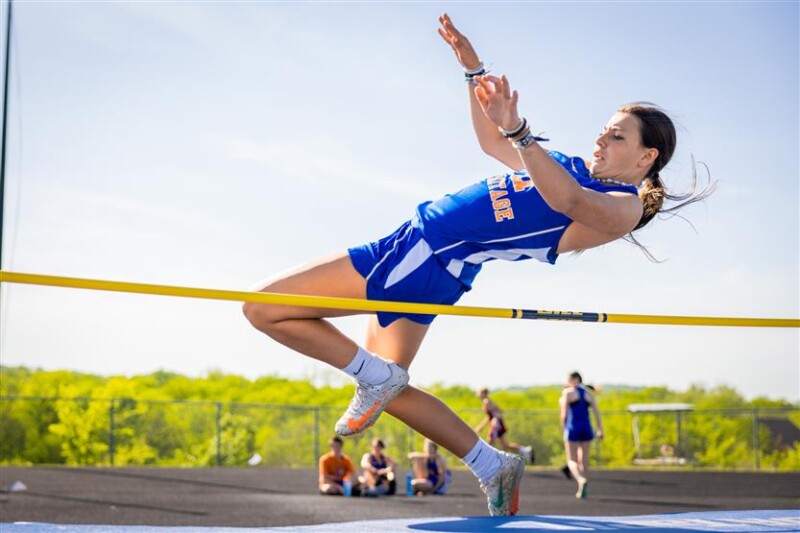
x: 111, y: 431
x: 756, y: 442
x: 219, y: 433
x: 316, y: 435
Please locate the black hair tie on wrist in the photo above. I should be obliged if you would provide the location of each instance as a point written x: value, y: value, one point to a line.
x: 510, y: 134
x: 469, y: 75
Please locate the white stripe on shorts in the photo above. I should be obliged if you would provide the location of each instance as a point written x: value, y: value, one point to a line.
x: 510, y: 254
x: 418, y: 254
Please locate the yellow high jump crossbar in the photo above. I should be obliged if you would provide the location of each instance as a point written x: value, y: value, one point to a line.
x: 354, y: 304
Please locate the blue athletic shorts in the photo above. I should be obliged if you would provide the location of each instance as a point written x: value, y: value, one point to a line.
x: 579, y: 435
x: 402, y: 268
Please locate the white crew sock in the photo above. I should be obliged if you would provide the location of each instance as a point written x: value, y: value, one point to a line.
x: 483, y: 460
x: 367, y: 369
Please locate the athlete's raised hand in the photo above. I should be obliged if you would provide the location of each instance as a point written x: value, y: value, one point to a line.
x: 463, y: 49
x: 498, y: 101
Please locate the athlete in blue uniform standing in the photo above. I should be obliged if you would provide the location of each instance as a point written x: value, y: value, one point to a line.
x: 575, y: 402
x: 549, y: 204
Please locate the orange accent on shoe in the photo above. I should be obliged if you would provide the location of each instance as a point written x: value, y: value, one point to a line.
x: 353, y: 425
x: 514, y: 502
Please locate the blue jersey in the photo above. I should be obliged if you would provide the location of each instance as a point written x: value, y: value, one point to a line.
x: 502, y: 217
x: 578, y: 425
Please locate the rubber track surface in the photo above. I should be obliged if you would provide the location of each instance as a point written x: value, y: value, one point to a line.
x: 276, y: 497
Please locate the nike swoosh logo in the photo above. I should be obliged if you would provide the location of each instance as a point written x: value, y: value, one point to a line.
x: 355, y: 424
x: 499, y: 501
x: 359, y: 369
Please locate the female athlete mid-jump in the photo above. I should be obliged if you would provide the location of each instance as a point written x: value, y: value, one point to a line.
x: 550, y: 204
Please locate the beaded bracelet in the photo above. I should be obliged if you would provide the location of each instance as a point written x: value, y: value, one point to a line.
x: 510, y: 134
x: 470, y: 74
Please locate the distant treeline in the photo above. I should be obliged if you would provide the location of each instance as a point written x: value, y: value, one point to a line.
x: 163, y: 418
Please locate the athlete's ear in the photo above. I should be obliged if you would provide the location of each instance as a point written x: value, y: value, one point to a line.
x: 648, y: 158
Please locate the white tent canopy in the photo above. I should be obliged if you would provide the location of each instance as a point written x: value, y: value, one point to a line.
x: 659, y: 407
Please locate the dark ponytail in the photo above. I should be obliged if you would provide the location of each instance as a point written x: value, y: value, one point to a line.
x: 658, y: 131
x: 652, y: 194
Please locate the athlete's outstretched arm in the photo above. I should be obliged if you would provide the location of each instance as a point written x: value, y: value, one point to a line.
x: 611, y: 213
x: 490, y: 140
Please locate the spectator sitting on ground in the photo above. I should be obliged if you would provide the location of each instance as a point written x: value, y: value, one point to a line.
x: 430, y: 470
x: 379, y: 471
x: 334, y: 468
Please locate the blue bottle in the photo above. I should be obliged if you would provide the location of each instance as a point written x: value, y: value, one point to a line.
x: 347, y: 487
x: 409, y: 485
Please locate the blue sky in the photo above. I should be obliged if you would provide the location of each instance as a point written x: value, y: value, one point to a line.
x: 214, y: 144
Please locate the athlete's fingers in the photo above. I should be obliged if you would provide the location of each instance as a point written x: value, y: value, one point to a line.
x: 482, y: 96
x: 445, y: 36
x: 493, y: 83
x: 445, y: 33
x: 505, y: 87
x: 448, y: 23
x: 485, y: 84
x: 515, y: 98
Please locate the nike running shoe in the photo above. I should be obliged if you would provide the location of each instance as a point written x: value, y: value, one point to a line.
x: 583, y: 489
x: 370, y: 401
x: 502, y: 491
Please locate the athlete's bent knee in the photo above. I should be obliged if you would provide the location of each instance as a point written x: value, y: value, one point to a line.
x: 262, y: 316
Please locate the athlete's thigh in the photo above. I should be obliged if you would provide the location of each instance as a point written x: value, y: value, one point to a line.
x: 399, y: 341
x: 584, y: 451
x: 572, y: 450
x: 332, y: 276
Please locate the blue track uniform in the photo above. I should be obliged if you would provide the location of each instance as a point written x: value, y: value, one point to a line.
x: 433, y: 471
x: 579, y: 426
x: 434, y: 257
x: 433, y: 476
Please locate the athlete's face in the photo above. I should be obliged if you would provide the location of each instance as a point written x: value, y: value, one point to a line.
x: 618, y: 151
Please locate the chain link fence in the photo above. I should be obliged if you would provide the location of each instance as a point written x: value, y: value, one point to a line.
x: 124, y: 431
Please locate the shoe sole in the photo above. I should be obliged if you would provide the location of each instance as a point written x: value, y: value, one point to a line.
x: 514, y: 508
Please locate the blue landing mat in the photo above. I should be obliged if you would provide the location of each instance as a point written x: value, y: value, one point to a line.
x: 721, y: 521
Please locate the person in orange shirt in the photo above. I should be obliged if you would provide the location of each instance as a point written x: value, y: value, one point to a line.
x: 334, y: 468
